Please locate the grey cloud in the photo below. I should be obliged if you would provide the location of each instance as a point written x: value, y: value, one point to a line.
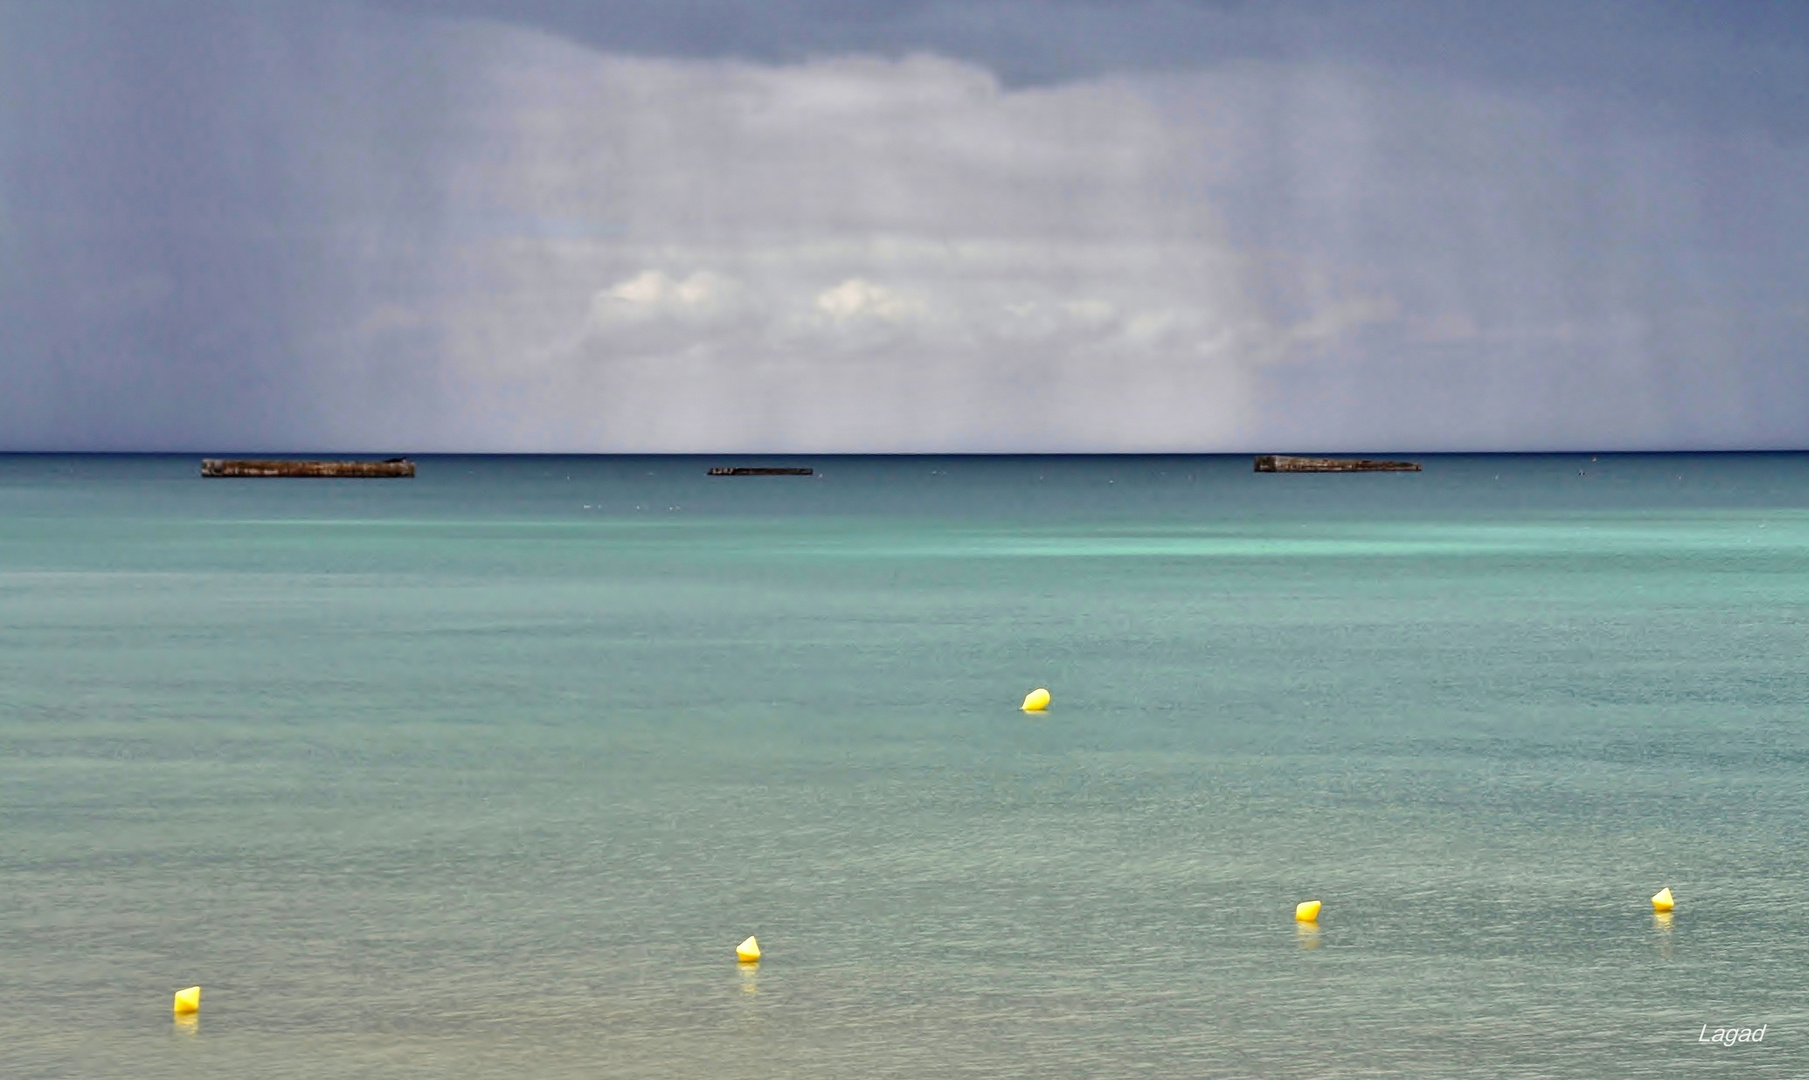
x: 1711, y: 60
x: 272, y: 227
x: 1628, y: 282
x: 956, y: 265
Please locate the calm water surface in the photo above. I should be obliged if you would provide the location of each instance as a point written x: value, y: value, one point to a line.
x: 486, y: 773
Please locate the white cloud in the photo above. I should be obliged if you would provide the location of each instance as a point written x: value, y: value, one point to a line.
x: 958, y: 265
x: 856, y: 299
x: 651, y: 294
x: 1224, y: 259
x: 548, y: 248
x: 866, y: 253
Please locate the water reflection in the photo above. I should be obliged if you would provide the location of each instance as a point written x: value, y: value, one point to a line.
x: 188, y: 1024
x: 1661, y: 926
x: 750, y: 977
x: 1307, y: 934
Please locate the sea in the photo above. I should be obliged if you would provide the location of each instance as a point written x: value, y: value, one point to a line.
x: 486, y: 773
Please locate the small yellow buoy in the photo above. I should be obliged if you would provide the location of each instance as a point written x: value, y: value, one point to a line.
x: 748, y: 952
x: 1307, y: 912
x: 188, y: 1001
x: 1663, y: 900
x: 1036, y: 701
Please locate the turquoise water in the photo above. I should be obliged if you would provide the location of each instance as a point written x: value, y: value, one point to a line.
x: 486, y: 773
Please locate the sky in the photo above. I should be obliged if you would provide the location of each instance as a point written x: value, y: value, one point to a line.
x: 926, y: 226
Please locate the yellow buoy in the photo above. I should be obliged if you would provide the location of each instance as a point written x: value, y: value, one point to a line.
x: 1663, y: 900
x: 748, y: 952
x: 188, y: 1001
x: 1036, y: 701
x: 1307, y: 912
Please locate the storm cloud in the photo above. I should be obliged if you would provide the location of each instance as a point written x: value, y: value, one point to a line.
x: 463, y: 227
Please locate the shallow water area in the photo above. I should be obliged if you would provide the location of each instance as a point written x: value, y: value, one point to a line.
x: 488, y: 772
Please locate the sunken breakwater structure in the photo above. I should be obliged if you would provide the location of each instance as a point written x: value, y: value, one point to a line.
x: 1284, y: 463
x: 395, y: 468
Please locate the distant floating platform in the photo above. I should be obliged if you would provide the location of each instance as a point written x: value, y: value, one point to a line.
x: 760, y: 470
x: 395, y: 467
x: 1284, y: 463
